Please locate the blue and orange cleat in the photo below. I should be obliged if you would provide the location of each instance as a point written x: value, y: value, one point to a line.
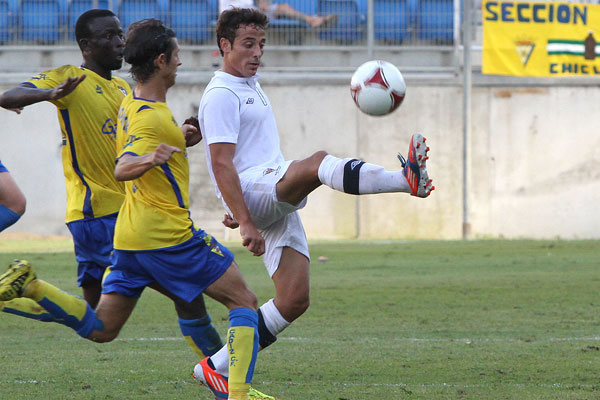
x: 415, y: 169
x: 14, y: 281
x: 205, y: 375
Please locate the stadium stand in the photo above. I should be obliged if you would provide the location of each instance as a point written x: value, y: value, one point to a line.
x: 396, y: 22
x: 193, y: 19
x: 436, y: 21
x: 393, y: 19
x: 41, y: 21
x: 348, y: 28
x: 133, y: 10
x: 8, y: 19
x: 78, y: 7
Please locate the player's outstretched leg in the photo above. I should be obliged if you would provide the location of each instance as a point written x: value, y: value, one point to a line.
x: 415, y: 168
x: 66, y: 309
x: 24, y: 307
x: 353, y: 176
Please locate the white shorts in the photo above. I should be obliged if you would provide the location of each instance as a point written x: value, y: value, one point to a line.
x: 277, y: 221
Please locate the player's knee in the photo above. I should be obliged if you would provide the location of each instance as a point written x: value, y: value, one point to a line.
x: 295, y: 306
x: 248, y: 299
x: 20, y: 206
x: 103, y: 337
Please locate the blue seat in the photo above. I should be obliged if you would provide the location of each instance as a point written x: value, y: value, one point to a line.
x: 392, y: 20
x: 41, y: 21
x: 78, y: 7
x: 191, y: 19
x: 348, y: 27
x: 8, y: 19
x: 130, y: 11
x: 436, y: 21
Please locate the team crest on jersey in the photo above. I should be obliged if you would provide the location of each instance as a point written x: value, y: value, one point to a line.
x: 134, y: 188
x: 250, y: 100
x: 214, y: 247
x: 99, y: 89
x: 271, y: 170
x: 130, y: 140
x: 40, y: 77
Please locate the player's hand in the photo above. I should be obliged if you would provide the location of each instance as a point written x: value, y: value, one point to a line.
x: 163, y: 153
x: 195, y: 137
x: 191, y: 134
x: 229, y: 222
x: 252, y: 239
x: 66, y: 87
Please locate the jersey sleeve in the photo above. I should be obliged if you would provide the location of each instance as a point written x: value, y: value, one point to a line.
x: 141, y: 135
x: 220, y: 111
x: 51, y: 79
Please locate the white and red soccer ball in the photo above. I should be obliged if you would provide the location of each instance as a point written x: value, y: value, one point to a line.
x: 377, y: 87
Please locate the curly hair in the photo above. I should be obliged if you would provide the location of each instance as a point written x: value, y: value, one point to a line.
x: 144, y: 41
x: 231, y: 19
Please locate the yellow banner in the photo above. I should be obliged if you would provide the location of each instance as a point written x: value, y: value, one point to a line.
x: 541, y: 39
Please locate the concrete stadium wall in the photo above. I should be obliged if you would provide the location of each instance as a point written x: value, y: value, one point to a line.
x: 534, y: 166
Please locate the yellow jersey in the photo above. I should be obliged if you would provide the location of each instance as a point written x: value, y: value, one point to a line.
x: 88, y: 121
x: 155, y: 213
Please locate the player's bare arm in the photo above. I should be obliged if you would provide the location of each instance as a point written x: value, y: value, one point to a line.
x: 24, y: 95
x: 229, y: 184
x: 131, y: 166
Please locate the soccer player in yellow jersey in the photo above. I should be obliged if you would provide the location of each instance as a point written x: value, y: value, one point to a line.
x: 156, y: 242
x: 87, y: 99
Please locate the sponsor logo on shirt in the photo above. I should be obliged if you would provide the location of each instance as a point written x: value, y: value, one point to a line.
x: 109, y: 127
x: 250, y: 100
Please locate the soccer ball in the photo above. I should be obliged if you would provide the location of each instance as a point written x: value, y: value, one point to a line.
x: 377, y: 87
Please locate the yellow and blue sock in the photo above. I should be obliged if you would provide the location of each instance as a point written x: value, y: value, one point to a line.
x: 25, y: 307
x: 201, y: 335
x: 65, y: 308
x: 242, y: 346
x: 7, y: 217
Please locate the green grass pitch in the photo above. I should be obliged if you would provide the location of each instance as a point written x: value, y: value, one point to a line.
x: 388, y: 320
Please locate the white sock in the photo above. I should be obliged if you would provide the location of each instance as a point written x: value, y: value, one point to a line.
x: 353, y: 176
x: 274, y: 322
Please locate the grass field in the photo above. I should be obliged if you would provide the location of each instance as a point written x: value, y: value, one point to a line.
x: 402, y: 320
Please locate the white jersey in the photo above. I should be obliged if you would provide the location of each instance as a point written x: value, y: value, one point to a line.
x: 236, y: 110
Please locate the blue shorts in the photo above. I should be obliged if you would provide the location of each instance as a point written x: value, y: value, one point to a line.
x: 185, y: 270
x: 2, y: 167
x: 93, y: 239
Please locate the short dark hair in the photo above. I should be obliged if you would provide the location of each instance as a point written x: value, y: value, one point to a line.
x: 144, y: 41
x: 231, y: 19
x: 82, y: 26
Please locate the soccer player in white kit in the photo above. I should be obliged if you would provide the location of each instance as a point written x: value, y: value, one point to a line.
x: 260, y: 190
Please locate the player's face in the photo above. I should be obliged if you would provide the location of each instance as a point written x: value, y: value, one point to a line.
x: 243, y: 57
x: 107, y: 43
x: 170, y: 71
